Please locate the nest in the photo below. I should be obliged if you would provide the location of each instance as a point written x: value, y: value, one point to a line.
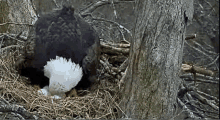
x: 101, y: 102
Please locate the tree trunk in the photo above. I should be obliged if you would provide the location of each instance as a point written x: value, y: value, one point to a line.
x: 152, y: 80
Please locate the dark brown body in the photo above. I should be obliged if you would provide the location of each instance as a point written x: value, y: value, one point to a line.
x: 62, y: 33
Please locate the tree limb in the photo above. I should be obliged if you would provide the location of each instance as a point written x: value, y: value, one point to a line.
x: 20, y: 111
x: 192, y: 69
x: 114, y: 50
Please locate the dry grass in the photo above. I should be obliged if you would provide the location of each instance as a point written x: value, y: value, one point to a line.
x: 102, y: 102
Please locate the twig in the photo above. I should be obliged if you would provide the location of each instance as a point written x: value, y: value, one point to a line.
x: 192, y: 69
x: 115, y: 23
x: 207, y: 95
x: 199, y: 75
x: 121, y: 45
x: 199, y: 50
x: 114, y: 50
x: 185, y: 108
x: 202, y: 48
x: 34, y: 9
x: 204, y: 100
x: 16, y: 23
x: 190, y: 37
x: 125, y: 41
x: 107, y: 68
x: 205, y: 81
x: 213, y: 62
x: 113, y: 5
x: 123, y: 66
x: 201, y: 109
x: 122, y: 79
x: 8, y: 47
x: 16, y: 109
x: 94, y: 6
x: 18, y: 35
x: 13, y: 36
x: 1, y: 44
x: 55, y: 3
x: 123, y: 36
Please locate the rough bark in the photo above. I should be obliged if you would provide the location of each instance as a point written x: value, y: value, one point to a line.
x: 155, y: 58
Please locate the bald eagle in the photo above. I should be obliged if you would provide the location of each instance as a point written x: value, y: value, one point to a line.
x: 66, y: 53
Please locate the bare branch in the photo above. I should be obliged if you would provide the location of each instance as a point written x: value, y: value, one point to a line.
x: 185, y: 108
x: 15, y: 23
x: 202, y: 48
x: 34, y: 9
x: 199, y: 75
x: 121, y: 45
x: 204, y: 100
x: 9, y: 47
x: 207, y: 95
x: 106, y: 66
x: 192, y: 69
x: 94, y: 6
x: 213, y: 62
x: 122, y: 79
x: 114, y: 23
x: 114, y: 50
x: 199, y: 50
x: 55, y: 3
x: 13, y: 36
x: 190, y: 37
x: 16, y: 109
x: 123, y: 66
x: 206, y: 81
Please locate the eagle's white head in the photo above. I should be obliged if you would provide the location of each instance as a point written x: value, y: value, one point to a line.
x: 63, y: 74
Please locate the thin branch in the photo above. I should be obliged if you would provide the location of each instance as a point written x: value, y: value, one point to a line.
x: 201, y: 52
x: 185, y: 108
x: 204, y: 100
x: 1, y: 43
x: 19, y: 110
x: 106, y: 66
x: 13, y: 36
x: 55, y: 3
x: 200, y: 75
x: 122, y: 79
x: 114, y: 50
x: 9, y: 47
x: 123, y: 36
x: 196, y: 69
x: 94, y: 6
x: 204, y: 81
x: 115, y: 23
x: 207, y: 95
x: 34, y: 9
x: 190, y: 37
x: 123, y: 66
x: 16, y: 23
x: 210, y: 52
x: 213, y: 62
x: 121, y: 45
